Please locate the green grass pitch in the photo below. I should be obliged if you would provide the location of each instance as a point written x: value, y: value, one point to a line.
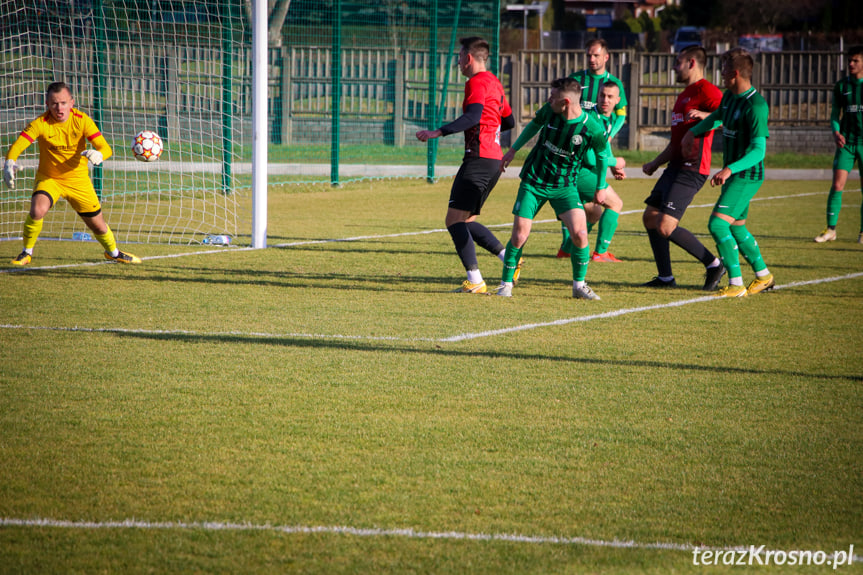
x: 330, y: 406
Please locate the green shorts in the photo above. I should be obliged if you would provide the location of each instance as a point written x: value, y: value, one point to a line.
x: 844, y: 157
x: 531, y: 198
x: 736, y: 194
x: 586, y: 184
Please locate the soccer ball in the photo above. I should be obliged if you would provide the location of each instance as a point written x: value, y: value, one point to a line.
x: 147, y: 146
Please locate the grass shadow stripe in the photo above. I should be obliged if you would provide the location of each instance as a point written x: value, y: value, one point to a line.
x: 218, y: 334
x: 451, y: 339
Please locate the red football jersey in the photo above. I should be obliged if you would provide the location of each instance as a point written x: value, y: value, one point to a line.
x: 703, y: 96
x: 483, y: 140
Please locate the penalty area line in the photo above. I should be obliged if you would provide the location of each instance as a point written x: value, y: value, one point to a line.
x: 627, y: 311
x: 450, y: 339
x: 366, y: 532
x: 234, y: 249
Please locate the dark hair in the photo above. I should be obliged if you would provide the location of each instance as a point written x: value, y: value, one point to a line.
x: 568, y: 85
x: 609, y: 85
x: 739, y: 59
x: 855, y: 51
x: 56, y: 88
x: 476, y: 47
x: 697, y: 53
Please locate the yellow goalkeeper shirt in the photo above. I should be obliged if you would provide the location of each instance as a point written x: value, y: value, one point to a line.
x: 60, y: 145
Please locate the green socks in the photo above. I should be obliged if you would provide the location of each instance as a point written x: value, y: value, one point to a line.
x: 607, y: 227
x: 834, y: 204
x: 579, y: 257
x: 748, y: 247
x: 510, y: 261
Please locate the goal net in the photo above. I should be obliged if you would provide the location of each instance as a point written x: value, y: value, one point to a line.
x: 354, y: 80
x: 349, y: 84
x: 175, y: 68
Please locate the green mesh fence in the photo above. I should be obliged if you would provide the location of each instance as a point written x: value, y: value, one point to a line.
x: 391, y: 66
x: 174, y: 68
x: 349, y: 84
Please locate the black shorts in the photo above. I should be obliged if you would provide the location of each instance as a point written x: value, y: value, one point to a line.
x: 473, y: 183
x: 674, y: 191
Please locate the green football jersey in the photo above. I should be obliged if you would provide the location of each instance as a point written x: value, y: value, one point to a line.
x: 744, y: 117
x: 607, y: 124
x: 848, y: 109
x: 560, y: 148
x: 590, y: 86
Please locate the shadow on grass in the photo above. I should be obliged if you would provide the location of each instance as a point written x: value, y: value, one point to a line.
x: 437, y: 349
x: 395, y: 281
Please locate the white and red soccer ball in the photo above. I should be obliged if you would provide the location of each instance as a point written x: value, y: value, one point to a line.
x: 147, y: 146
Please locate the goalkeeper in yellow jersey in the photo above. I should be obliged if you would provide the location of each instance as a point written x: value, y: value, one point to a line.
x: 63, y: 132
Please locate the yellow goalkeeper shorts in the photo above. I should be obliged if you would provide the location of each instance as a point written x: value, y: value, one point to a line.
x: 79, y: 192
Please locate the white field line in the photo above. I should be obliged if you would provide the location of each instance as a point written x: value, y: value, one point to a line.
x: 375, y: 532
x: 455, y: 338
x: 627, y: 311
x: 350, y: 239
x: 450, y: 339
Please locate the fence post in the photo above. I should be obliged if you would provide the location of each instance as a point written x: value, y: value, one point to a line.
x: 515, y: 95
x: 99, y: 83
x: 398, y: 102
x: 285, y: 110
x: 634, y: 110
x: 172, y: 93
x: 336, y: 100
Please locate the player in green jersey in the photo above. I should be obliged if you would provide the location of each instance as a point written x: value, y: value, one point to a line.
x: 566, y: 133
x: 608, y: 213
x: 592, y: 80
x: 742, y: 114
x: 846, y: 121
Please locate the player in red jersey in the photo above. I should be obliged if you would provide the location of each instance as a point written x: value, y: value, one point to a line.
x: 485, y: 112
x: 686, y: 172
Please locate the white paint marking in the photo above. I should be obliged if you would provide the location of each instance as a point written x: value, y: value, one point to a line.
x: 620, y: 312
x: 334, y: 240
x: 363, y: 532
x: 566, y: 321
x: 454, y: 338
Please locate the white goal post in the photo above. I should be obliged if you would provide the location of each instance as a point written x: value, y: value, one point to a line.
x: 185, y: 74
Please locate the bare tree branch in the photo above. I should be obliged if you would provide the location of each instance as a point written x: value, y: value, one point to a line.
x: 277, y: 12
x: 277, y: 20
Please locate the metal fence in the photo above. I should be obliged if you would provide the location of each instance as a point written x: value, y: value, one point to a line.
x: 386, y: 91
x: 380, y: 87
x: 797, y: 85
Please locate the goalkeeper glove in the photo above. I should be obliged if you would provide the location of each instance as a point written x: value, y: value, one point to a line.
x: 95, y: 156
x: 9, y: 169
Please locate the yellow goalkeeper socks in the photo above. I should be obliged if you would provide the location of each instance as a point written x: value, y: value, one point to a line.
x: 108, y: 242
x: 32, y: 229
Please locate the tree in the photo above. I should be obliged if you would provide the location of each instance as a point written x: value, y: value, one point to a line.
x: 698, y: 12
x: 277, y: 11
x: 651, y: 28
x: 767, y: 15
x: 672, y: 18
